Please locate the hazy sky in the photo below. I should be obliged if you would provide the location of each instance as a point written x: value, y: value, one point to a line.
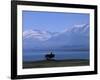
x: 52, y: 21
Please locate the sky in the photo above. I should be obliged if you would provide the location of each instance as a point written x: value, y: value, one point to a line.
x: 52, y: 21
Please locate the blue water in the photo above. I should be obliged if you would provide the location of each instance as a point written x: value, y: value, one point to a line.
x: 59, y: 55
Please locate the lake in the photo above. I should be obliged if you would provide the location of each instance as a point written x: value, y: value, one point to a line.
x: 59, y: 55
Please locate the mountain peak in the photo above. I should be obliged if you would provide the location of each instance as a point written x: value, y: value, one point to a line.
x: 43, y: 35
x: 78, y: 35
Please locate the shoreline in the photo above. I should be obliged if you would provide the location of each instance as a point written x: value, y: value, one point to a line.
x: 55, y: 63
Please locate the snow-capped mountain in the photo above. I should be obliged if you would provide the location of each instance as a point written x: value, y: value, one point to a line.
x: 37, y: 34
x: 77, y: 29
x: 73, y: 37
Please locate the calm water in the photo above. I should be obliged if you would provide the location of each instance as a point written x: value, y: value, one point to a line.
x: 59, y: 55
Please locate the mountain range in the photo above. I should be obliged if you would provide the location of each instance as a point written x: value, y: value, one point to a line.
x: 76, y: 37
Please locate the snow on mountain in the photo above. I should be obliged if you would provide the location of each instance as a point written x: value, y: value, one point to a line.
x: 77, y: 29
x: 76, y: 36
x: 37, y: 34
x: 81, y: 28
